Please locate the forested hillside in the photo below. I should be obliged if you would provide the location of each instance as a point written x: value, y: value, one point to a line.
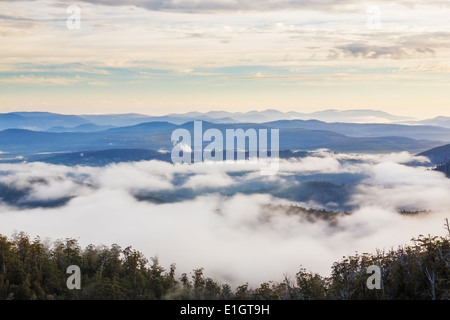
x: 32, y: 269
x: 444, y: 167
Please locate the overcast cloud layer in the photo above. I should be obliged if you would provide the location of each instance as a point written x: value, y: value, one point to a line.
x: 233, y: 236
x: 133, y: 55
x: 249, y: 5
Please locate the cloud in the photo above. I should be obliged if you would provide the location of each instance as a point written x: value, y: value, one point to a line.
x: 213, y: 180
x: 211, y: 6
x: 45, y: 191
x: 428, y: 68
x: 367, y: 51
x: 9, y: 17
x: 151, y: 176
x: 224, y: 5
x: 240, y: 34
x: 403, y: 188
x: 34, y: 80
x: 260, y: 76
x: 217, y: 216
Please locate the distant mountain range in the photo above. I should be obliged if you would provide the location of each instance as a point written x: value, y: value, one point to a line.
x: 42, y: 136
x: 352, y: 116
x: 294, y: 135
x: 438, y: 121
x: 38, y: 120
x: 42, y: 121
x: 53, y: 122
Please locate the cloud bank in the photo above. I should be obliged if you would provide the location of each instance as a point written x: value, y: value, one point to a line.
x: 216, y: 216
x: 211, y: 6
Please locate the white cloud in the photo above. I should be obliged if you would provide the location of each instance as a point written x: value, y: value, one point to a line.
x: 230, y: 235
x: 34, y: 80
x: 213, y: 180
x: 212, y: 6
x: 153, y: 175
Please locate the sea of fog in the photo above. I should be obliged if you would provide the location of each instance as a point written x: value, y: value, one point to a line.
x: 211, y: 216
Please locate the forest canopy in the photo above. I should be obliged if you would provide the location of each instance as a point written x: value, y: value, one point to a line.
x: 32, y: 269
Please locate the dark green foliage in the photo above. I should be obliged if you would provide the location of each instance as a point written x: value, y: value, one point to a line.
x: 33, y: 270
x: 420, y: 271
x: 310, y: 215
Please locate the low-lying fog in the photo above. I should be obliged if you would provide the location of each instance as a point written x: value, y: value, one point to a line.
x: 211, y: 216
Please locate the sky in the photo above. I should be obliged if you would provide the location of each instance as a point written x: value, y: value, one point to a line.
x: 161, y: 56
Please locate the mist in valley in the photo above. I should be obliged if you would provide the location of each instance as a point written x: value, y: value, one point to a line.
x: 229, y: 219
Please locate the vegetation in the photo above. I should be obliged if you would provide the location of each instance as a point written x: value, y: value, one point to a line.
x: 444, y: 167
x: 32, y: 269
